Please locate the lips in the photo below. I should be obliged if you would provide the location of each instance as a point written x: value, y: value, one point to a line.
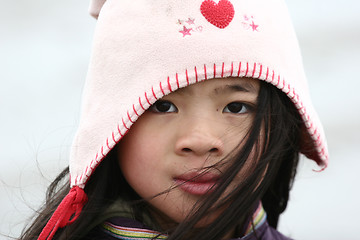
x: 197, y: 183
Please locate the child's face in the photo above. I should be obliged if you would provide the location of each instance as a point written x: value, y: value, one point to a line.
x: 183, y: 133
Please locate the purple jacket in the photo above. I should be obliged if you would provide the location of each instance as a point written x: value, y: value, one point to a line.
x: 125, y: 228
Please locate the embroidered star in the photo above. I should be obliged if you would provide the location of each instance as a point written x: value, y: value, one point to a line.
x: 186, y: 31
x: 191, y: 21
x: 253, y: 26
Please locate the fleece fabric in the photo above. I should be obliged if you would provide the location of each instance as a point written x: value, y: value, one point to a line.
x: 146, y: 49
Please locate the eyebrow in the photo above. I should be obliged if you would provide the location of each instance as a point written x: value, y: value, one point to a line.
x: 235, y: 88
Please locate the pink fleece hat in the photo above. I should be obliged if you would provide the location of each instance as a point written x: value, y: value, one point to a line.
x: 146, y: 49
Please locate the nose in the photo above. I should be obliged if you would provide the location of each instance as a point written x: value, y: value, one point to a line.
x: 199, y: 140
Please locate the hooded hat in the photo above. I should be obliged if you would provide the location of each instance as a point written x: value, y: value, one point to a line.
x: 145, y: 49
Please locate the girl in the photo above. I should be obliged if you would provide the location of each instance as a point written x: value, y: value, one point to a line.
x: 194, y: 115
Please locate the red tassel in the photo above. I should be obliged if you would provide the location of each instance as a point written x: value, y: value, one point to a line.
x: 66, y: 213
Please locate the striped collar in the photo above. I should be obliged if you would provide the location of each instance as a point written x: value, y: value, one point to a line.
x: 258, y: 219
x: 129, y: 233
x: 133, y: 233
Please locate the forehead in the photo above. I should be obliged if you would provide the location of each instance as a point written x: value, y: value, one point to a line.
x: 222, y: 86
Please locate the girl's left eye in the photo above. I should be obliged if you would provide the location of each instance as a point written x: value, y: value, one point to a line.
x: 236, y: 107
x: 163, y: 106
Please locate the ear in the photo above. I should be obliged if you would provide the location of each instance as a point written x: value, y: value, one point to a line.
x: 95, y: 7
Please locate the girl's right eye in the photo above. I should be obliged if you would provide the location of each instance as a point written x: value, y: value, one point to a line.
x: 163, y: 106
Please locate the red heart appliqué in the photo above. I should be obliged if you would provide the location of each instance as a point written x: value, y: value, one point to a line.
x: 220, y: 14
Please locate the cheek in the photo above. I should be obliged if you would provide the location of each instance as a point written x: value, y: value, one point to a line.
x: 137, y: 169
x: 236, y: 129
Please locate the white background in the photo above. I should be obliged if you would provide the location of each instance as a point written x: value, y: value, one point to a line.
x: 44, y: 51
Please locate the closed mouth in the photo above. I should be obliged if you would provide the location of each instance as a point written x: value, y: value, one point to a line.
x: 196, y: 183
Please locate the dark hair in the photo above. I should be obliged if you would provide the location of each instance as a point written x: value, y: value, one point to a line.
x: 270, y: 181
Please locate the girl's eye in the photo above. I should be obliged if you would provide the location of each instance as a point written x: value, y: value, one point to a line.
x: 236, y: 107
x: 162, y: 106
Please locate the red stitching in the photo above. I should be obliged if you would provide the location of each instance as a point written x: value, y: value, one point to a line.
x: 306, y: 115
x: 315, y: 132
x: 161, y: 88
x: 288, y: 85
x: 301, y: 108
x: 102, y: 151
x: 80, y: 178
x: 196, y: 74
x: 283, y: 86
x: 222, y: 70
x: 135, y: 111
x: 260, y: 71
x: 107, y: 143
x: 205, y: 72
x: 214, y: 70
x: 318, y: 140
x: 253, y: 73
x: 169, y: 85
x: 283, y: 82
x: 278, y: 83
x: 292, y: 97
x: 239, y: 69
x: 177, y: 81
x: 124, y: 124
x: 298, y: 106
x: 152, y: 89
x: 267, y: 73
x: 113, y: 137
x: 147, y: 99
x: 273, y: 76
x: 129, y: 117
x: 232, y: 68
x: 77, y: 179
x: 96, y: 157
x: 86, y: 169
x: 247, y: 69
x: 187, y: 77
x: 141, y: 104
